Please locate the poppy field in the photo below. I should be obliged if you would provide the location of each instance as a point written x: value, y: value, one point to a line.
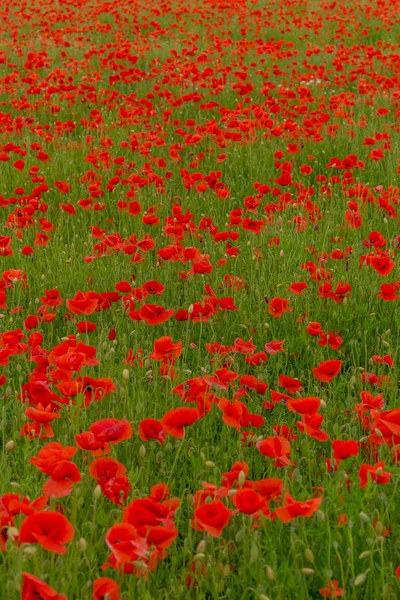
x: 199, y: 299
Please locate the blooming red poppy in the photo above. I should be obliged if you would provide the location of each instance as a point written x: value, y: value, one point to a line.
x: 174, y: 421
x: 327, y: 370
x: 166, y: 350
x: 276, y: 447
x: 212, y: 518
x: 151, y: 429
x: 34, y: 588
x: 292, y: 508
x: 82, y: 304
x: 332, y: 590
x: 51, y: 530
x: 154, y: 314
x: 111, y: 431
x: 278, y: 306
x: 105, y: 587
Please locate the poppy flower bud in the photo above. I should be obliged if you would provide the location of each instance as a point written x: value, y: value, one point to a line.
x: 97, y: 492
x: 82, y: 545
x: 241, y: 478
x: 190, y: 309
x: 29, y: 551
x: 270, y: 573
x: 364, y: 554
x: 15, y: 484
x: 239, y: 537
x: 142, y: 451
x: 322, y: 405
x: 199, y: 556
x: 281, y: 254
x: 125, y: 374
x: 320, y: 515
x: 159, y: 457
x: 307, y: 571
x: 263, y: 597
x: 210, y: 464
x: 190, y: 500
x: 378, y: 432
x: 363, y: 517
x: 360, y: 579
x: 388, y: 332
x: 140, y: 564
x: 112, y: 334
x: 385, y: 343
x: 10, y: 445
x: 232, y: 493
x: 253, y: 552
x: 308, y: 555
x: 12, y: 533
x: 379, y: 524
x: 201, y: 547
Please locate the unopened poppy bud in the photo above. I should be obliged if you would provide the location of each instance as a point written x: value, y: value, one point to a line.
x: 352, y: 381
x: 320, y: 515
x: 202, y: 455
x: 12, y: 533
x: 190, y: 500
x: 360, y: 579
x: 97, y: 492
x: 307, y: 571
x: 263, y: 597
x: 15, y: 484
x: 190, y: 309
x: 199, y: 556
x: 378, y: 432
x: 363, y: 517
x: 159, y: 457
x: 270, y: 573
x: 82, y: 545
x: 147, y: 363
x: 232, y: 493
x: 241, y: 478
x: 385, y: 343
x: 364, y: 554
x: 29, y: 551
x: 142, y: 451
x: 10, y: 445
x: 322, y: 405
x: 308, y: 555
x: 281, y: 254
x: 201, y: 546
x: 210, y: 464
x: 125, y: 374
x: 379, y: 524
x: 253, y: 552
x: 387, y: 332
x: 379, y: 471
x: 239, y: 537
x: 140, y: 564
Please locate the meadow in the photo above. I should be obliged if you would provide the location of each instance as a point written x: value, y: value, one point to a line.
x: 199, y: 299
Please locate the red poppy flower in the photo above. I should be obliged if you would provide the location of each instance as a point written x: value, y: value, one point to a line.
x: 82, y: 304
x: 154, y: 314
x: 174, y: 421
x: 104, y: 586
x: 276, y: 447
x: 278, y: 306
x: 332, y: 590
x: 151, y: 429
x: 49, y: 529
x: 292, y: 508
x: 34, y: 588
x: 211, y: 518
x: 327, y: 370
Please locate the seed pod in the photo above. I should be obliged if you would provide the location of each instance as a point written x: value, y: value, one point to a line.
x: 10, y: 445
x: 82, y: 545
x: 270, y: 573
x: 360, y: 579
x: 308, y: 555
